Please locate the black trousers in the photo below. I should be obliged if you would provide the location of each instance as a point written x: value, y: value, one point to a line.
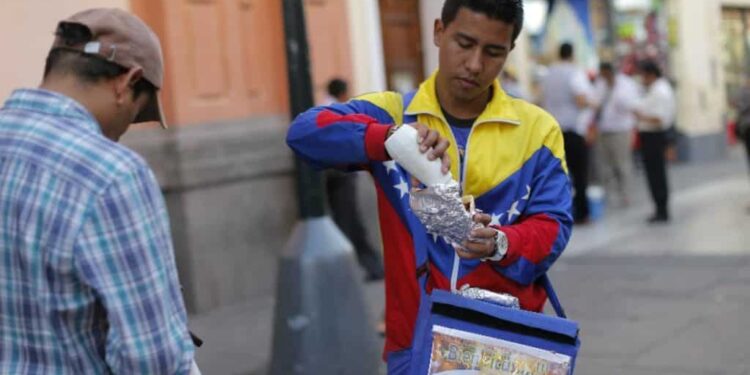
x: 653, y: 146
x: 747, y: 146
x: 342, y: 193
x: 577, y: 158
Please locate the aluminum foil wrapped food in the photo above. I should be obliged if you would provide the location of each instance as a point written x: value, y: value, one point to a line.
x: 501, y: 299
x: 439, y: 206
x: 442, y: 211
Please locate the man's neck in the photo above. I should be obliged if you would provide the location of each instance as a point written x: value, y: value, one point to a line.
x: 463, y: 109
x: 73, y: 89
x: 70, y: 88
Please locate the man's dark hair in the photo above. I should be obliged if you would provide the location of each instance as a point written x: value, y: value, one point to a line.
x: 336, y: 87
x: 606, y: 67
x: 508, y: 11
x: 566, y: 51
x: 650, y: 67
x: 86, y: 67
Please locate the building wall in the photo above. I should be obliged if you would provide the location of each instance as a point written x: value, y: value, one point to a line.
x: 366, y: 41
x: 229, y: 190
x: 222, y: 58
x: 328, y: 35
x: 225, y: 169
x: 696, y: 60
x: 697, y: 65
x: 430, y: 11
x: 28, y: 28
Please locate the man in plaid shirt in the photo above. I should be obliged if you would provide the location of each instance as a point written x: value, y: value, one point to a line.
x: 88, y: 283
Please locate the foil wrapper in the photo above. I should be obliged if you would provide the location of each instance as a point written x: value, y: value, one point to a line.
x: 443, y: 212
x: 502, y: 299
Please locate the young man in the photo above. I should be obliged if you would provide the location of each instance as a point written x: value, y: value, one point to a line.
x: 655, y: 112
x: 505, y: 152
x: 88, y: 271
x: 566, y: 91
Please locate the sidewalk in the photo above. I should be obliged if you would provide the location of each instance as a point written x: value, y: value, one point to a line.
x: 667, y: 299
x: 664, y: 315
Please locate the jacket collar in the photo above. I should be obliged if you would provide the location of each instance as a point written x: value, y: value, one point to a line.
x: 499, y: 109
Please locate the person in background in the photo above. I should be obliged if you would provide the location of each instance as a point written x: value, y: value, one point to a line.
x: 616, y: 96
x: 655, y: 113
x: 741, y: 104
x: 88, y: 270
x: 566, y: 94
x: 342, y: 199
x: 511, y: 85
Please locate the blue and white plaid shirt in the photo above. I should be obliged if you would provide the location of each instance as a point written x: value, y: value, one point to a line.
x: 88, y: 283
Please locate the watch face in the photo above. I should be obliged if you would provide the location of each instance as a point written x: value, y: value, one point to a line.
x: 502, y: 243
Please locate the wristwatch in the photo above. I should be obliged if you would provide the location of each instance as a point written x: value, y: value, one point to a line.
x: 501, y: 247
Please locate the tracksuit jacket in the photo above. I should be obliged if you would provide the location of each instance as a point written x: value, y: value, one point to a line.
x: 514, y: 166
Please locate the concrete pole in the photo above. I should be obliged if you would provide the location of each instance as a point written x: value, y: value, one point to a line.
x: 320, y: 324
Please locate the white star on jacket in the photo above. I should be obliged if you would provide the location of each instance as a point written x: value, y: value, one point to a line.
x: 513, y: 211
x: 496, y: 219
x: 390, y: 166
x: 403, y: 187
x: 528, y: 193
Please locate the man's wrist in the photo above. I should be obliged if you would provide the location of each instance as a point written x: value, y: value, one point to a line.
x: 500, y: 248
x: 392, y: 130
x: 375, y: 136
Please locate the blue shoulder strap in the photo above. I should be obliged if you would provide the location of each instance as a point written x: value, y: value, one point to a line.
x: 553, y: 300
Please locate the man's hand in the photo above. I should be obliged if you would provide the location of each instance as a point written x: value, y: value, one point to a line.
x: 592, y: 133
x: 651, y: 122
x: 431, y: 143
x: 482, y: 243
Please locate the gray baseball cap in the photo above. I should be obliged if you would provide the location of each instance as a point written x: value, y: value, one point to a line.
x: 124, y: 39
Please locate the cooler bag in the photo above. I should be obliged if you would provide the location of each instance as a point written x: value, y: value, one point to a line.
x: 455, y: 335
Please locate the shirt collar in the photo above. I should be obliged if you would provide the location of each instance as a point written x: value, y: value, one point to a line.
x: 499, y: 109
x: 53, y: 104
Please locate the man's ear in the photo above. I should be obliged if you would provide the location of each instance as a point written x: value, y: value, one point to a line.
x: 437, y: 33
x: 125, y: 82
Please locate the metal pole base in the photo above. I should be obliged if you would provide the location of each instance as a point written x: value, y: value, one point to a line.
x: 321, y: 324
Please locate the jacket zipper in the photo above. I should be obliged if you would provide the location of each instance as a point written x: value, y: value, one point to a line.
x: 463, y: 168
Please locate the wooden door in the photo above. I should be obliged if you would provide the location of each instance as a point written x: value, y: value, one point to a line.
x: 328, y: 38
x: 402, y: 44
x: 224, y: 59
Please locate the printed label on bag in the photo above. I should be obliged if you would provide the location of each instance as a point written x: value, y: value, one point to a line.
x: 456, y: 352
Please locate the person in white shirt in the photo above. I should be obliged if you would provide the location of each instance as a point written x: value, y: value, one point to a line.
x: 655, y: 113
x: 511, y: 85
x: 741, y: 104
x: 616, y: 96
x: 566, y: 92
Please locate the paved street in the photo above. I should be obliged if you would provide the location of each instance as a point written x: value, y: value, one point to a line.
x: 665, y: 299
